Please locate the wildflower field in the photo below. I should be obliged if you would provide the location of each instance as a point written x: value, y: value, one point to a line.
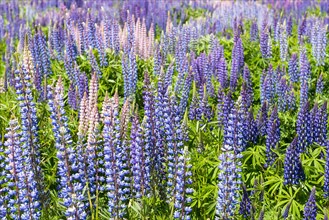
x: 162, y: 110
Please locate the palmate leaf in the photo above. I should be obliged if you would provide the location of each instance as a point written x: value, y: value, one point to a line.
x: 254, y: 156
x: 275, y: 184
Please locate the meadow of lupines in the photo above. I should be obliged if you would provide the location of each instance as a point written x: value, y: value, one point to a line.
x: 147, y: 109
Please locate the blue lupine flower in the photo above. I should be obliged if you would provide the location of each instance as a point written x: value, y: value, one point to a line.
x: 303, y: 128
x: 182, y: 189
x: 293, y: 68
x: 302, y: 29
x: 245, y: 204
x: 29, y: 121
x: 289, y: 26
x: 283, y: 43
x: 222, y: 73
x: 220, y: 106
x: 248, y: 84
x: 229, y: 176
x: 227, y: 107
x: 254, y: 31
x: 18, y: 187
x: 265, y: 42
x: 195, y: 111
x: 129, y: 71
x: 310, y: 210
x: 149, y: 129
x: 72, y: 97
x: 94, y: 64
x: 320, y: 85
x: 69, y: 188
x: 293, y: 171
x: 262, y: 119
x: 319, y: 42
x: 273, y: 136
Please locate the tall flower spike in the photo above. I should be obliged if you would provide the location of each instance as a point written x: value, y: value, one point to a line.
x: 245, y: 204
x: 303, y: 127
x: 293, y: 68
x: 222, y: 73
x: 229, y: 176
x: 293, y: 171
x: 273, y: 136
x: 283, y: 43
x: 182, y: 188
x: 29, y: 119
x: 69, y: 190
x: 19, y: 182
x: 319, y: 42
x: 320, y: 85
x: 310, y: 210
x: 137, y: 158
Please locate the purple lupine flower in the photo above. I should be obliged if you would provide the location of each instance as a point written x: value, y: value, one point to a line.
x: 129, y: 71
x: 293, y: 68
x: 303, y: 94
x: 69, y: 191
x: 157, y: 61
x: 22, y: 194
x: 262, y: 119
x: 72, y: 97
x: 254, y: 31
x: 94, y: 64
x: 169, y: 75
x: 304, y: 65
x: 319, y: 124
x: 283, y: 43
x: 234, y: 74
x: 149, y: 128
x: 303, y: 128
x: 229, y: 176
x: 326, y: 174
x: 273, y: 136
x: 310, y: 210
x: 195, y: 111
x: 319, y: 42
x: 265, y: 42
x: 160, y: 104
x: 293, y: 171
x: 29, y: 119
x: 320, y: 85
x: 243, y: 118
x: 289, y: 26
x: 185, y: 94
x: 245, y: 204
x: 182, y: 188
x: 302, y: 28
x: 227, y: 107
x: 110, y: 111
x: 253, y: 132
x: 206, y: 109
x: 222, y: 73
x: 175, y: 144
x: 220, y: 106
x: 248, y: 83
